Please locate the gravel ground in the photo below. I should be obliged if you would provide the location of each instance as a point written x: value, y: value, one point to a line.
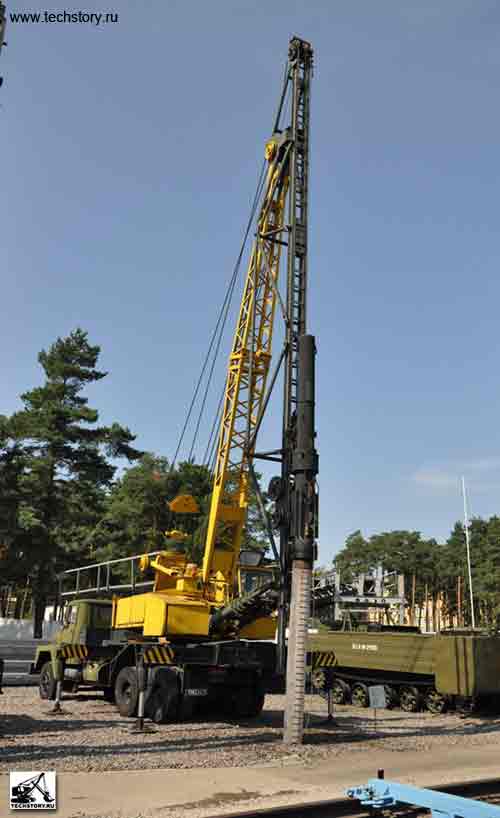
x: 91, y: 735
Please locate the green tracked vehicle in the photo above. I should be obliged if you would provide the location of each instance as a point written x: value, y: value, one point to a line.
x: 432, y: 671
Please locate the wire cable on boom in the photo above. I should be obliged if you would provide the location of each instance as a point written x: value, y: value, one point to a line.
x: 256, y: 200
x: 219, y: 328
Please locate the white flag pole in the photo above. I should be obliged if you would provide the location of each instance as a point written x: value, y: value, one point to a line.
x: 467, y: 543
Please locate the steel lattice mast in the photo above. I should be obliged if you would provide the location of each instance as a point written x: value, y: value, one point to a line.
x: 299, y: 77
x: 299, y: 507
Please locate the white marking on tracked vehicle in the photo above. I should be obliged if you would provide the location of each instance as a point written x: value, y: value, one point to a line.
x: 363, y: 646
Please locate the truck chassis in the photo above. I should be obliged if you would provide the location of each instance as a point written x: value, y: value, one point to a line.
x: 178, y: 680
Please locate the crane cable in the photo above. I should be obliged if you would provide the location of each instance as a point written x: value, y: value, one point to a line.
x: 209, y: 451
x: 219, y: 327
x: 218, y: 331
x: 227, y: 301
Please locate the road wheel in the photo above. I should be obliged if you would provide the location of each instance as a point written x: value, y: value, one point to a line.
x: 410, y: 699
x: 359, y: 695
x: 466, y: 705
x: 340, y: 692
x: 318, y: 679
x: 391, y: 697
x: 126, y: 692
x: 47, y: 683
x: 435, y: 702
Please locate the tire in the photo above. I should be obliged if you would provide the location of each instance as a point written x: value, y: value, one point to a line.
x: 359, y: 695
x: 186, y: 708
x: 254, y: 705
x: 410, y: 699
x: 127, y: 692
x: 243, y: 702
x: 47, y: 683
x: 162, y: 704
x: 109, y: 694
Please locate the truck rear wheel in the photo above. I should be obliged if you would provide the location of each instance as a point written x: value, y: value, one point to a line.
x: 47, y: 683
x: 127, y: 691
x: 162, y: 705
x: 244, y: 702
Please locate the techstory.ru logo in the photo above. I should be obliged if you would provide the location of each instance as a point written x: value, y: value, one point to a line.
x: 32, y: 790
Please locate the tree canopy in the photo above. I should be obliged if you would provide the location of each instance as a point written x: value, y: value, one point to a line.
x: 55, y: 466
x: 65, y: 501
x: 435, y: 572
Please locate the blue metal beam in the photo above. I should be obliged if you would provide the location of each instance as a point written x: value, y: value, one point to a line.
x: 382, y: 794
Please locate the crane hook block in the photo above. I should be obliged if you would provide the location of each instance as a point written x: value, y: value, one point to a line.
x: 184, y: 504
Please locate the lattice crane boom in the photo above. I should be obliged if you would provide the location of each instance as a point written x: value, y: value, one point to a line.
x: 248, y: 366
x: 282, y: 222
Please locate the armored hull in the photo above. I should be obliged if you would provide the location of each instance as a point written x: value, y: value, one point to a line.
x: 433, y: 670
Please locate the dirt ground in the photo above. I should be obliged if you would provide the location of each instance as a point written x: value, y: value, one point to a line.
x: 91, y: 736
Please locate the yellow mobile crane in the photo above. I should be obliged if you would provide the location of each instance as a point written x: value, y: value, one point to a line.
x: 192, y: 635
x: 184, y: 596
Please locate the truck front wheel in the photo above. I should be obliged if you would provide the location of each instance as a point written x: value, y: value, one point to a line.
x: 47, y: 683
x: 126, y: 692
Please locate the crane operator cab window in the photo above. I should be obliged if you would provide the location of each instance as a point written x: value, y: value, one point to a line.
x: 255, y: 571
x: 251, y: 580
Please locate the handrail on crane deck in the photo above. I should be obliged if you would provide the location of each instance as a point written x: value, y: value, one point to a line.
x: 103, y: 582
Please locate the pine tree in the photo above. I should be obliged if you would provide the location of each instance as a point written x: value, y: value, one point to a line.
x: 66, y: 465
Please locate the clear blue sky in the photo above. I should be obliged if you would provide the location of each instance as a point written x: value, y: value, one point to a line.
x: 129, y: 155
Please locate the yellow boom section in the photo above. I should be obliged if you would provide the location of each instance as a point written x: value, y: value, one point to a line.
x: 247, y: 374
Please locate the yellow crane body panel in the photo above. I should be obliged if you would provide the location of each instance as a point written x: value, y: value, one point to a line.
x: 159, y: 614
x: 188, y: 617
x: 129, y: 611
x: 262, y: 628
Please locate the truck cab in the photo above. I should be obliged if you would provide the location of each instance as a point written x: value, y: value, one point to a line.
x: 85, y: 622
x: 85, y: 626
